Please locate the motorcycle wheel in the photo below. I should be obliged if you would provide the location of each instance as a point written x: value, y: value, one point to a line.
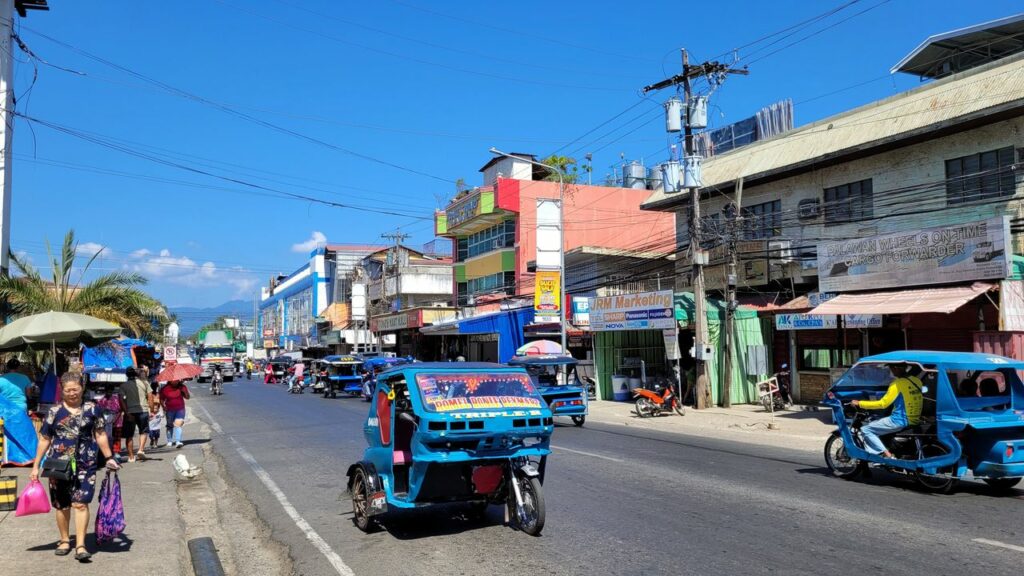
x: 766, y: 401
x: 361, y: 502
x: 937, y: 484
x: 1002, y: 484
x: 579, y: 420
x: 838, y: 461
x: 533, y: 505
x: 644, y: 407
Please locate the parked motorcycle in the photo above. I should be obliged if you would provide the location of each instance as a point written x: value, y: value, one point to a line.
x: 662, y: 399
x: 774, y: 392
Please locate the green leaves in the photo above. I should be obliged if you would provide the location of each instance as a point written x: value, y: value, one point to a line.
x: 114, y: 297
x: 566, y: 165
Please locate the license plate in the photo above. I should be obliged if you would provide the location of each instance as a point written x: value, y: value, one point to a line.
x: 378, y: 501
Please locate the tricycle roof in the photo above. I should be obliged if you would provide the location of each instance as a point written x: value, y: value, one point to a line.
x: 968, y: 360
x: 343, y: 359
x: 457, y: 367
x: 543, y: 360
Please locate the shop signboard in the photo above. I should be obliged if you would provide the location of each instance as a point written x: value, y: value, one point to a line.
x: 805, y: 321
x: 546, y: 297
x: 581, y: 311
x: 671, y: 338
x: 939, y: 255
x: 639, y: 311
x: 394, y: 322
x: 862, y: 321
x: 816, y: 299
x: 463, y: 210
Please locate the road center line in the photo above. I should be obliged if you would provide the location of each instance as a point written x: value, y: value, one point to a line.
x: 332, y: 557
x: 591, y: 454
x: 999, y: 544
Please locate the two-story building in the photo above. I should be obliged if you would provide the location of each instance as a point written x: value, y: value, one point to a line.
x: 893, y: 225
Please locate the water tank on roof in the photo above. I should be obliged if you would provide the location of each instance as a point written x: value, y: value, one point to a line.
x: 670, y: 176
x: 673, y: 115
x: 698, y: 113
x: 654, y: 181
x: 691, y: 172
x: 634, y: 176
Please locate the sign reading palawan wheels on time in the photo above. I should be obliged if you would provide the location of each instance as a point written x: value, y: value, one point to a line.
x: 546, y: 292
x: 640, y: 311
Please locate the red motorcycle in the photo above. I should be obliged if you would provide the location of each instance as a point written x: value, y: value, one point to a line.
x: 662, y: 399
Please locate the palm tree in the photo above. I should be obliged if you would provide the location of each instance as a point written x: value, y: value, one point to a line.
x: 114, y: 297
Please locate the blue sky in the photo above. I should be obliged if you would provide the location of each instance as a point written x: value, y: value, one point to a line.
x: 382, y: 105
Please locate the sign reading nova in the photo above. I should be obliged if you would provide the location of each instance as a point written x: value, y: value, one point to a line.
x: 939, y: 255
x: 640, y: 311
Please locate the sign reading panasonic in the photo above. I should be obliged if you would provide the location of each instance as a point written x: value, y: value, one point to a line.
x: 939, y: 255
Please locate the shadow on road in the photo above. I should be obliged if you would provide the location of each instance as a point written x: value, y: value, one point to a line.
x: 440, y: 520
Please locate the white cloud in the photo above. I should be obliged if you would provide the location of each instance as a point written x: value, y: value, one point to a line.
x: 90, y: 249
x: 316, y: 239
x: 184, y: 271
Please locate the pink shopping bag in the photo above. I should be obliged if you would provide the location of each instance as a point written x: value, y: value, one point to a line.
x: 33, y: 500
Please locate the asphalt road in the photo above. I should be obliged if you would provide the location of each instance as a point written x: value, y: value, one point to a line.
x: 619, y: 501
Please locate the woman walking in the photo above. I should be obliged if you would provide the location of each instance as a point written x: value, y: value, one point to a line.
x: 113, y: 406
x: 173, y: 397
x: 74, y: 430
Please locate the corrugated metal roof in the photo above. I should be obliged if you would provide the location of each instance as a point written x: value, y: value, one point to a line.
x: 975, y: 93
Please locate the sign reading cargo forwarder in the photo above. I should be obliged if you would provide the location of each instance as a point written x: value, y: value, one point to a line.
x: 939, y: 255
x: 640, y: 311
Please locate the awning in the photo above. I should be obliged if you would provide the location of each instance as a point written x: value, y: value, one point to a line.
x: 917, y: 301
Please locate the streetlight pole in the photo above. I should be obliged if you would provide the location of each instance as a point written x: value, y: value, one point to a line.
x: 561, y: 238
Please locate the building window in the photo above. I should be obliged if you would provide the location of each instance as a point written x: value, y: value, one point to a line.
x: 825, y: 358
x: 494, y: 283
x: 462, y: 293
x: 494, y: 238
x: 849, y: 203
x: 462, y: 251
x: 981, y: 176
x: 762, y: 221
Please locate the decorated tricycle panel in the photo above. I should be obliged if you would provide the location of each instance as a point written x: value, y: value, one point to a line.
x: 476, y: 391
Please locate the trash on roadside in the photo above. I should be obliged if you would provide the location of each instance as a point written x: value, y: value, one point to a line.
x: 185, y: 470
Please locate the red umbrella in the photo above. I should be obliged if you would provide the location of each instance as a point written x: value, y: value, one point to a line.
x: 176, y: 372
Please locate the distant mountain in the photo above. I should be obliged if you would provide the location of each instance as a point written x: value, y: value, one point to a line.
x: 191, y: 319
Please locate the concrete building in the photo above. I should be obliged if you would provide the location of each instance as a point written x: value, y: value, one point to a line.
x: 893, y: 225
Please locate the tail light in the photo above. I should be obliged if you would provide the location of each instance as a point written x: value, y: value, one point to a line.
x: 1009, y: 451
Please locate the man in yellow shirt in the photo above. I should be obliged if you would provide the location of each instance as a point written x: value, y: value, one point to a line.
x: 906, y: 398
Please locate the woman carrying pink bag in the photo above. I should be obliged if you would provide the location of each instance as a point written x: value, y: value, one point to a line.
x: 33, y: 500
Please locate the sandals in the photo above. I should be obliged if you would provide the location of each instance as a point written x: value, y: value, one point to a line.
x: 83, y: 555
x: 63, y: 551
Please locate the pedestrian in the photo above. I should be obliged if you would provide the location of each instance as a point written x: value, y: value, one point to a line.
x: 10, y: 390
x: 15, y: 375
x: 172, y: 397
x: 136, y: 399
x: 156, y: 417
x: 74, y: 430
x: 268, y: 374
x: 112, y: 405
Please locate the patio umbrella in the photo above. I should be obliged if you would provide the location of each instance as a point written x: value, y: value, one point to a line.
x: 538, y: 348
x: 176, y: 372
x: 50, y: 329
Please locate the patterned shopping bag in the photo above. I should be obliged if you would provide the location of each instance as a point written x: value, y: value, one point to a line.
x: 110, y: 516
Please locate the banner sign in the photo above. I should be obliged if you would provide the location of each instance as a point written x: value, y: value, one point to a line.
x: 463, y: 210
x: 393, y: 322
x: 939, y: 255
x: 581, y: 311
x: 640, y: 311
x: 862, y: 321
x: 546, y: 292
x: 826, y: 321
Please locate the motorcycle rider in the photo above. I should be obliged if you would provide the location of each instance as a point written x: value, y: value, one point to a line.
x: 295, y: 380
x: 906, y: 397
x: 217, y: 380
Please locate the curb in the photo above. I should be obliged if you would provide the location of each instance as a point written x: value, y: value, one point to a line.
x: 205, y: 560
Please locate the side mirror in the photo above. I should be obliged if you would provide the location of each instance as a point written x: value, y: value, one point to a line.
x: 924, y: 389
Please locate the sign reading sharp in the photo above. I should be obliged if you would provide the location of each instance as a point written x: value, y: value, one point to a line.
x: 939, y: 255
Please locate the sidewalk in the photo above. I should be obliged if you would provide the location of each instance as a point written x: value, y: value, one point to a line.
x: 162, y: 514
x: 802, y: 427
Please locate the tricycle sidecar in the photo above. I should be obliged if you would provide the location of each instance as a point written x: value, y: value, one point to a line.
x: 344, y: 374
x: 972, y: 419
x: 454, y: 432
x: 556, y: 379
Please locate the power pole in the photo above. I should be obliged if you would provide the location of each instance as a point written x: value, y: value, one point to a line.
x: 709, y: 69
x: 398, y: 237
x: 732, y: 213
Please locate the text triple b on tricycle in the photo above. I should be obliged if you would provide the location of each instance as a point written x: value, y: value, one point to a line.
x: 953, y: 415
x: 437, y: 433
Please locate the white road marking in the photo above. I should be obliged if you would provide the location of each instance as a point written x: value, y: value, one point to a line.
x: 999, y: 544
x: 318, y: 542
x: 591, y: 454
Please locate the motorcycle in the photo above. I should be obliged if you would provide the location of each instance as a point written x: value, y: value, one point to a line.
x: 217, y: 382
x: 662, y: 399
x: 774, y: 392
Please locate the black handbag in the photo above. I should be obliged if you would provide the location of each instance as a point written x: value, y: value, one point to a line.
x: 58, y: 469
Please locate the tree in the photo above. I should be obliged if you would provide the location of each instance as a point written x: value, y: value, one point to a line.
x: 566, y: 165
x: 114, y: 297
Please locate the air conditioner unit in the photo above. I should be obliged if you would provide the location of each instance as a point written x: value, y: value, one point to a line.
x: 780, y: 251
x: 499, y: 244
x: 808, y: 209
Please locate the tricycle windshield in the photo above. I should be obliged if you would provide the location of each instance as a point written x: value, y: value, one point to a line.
x: 865, y: 375
x: 344, y: 369
x: 552, y: 374
x: 446, y: 392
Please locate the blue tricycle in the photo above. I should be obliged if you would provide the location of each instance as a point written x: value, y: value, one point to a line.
x: 558, y: 383
x: 475, y: 433
x: 972, y: 419
x: 344, y: 373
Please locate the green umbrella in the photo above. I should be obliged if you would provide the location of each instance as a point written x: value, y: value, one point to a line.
x: 55, y: 328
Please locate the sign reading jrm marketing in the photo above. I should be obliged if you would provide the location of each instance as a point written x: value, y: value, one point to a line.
x: 640, y: 311
x: 939, y: 255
